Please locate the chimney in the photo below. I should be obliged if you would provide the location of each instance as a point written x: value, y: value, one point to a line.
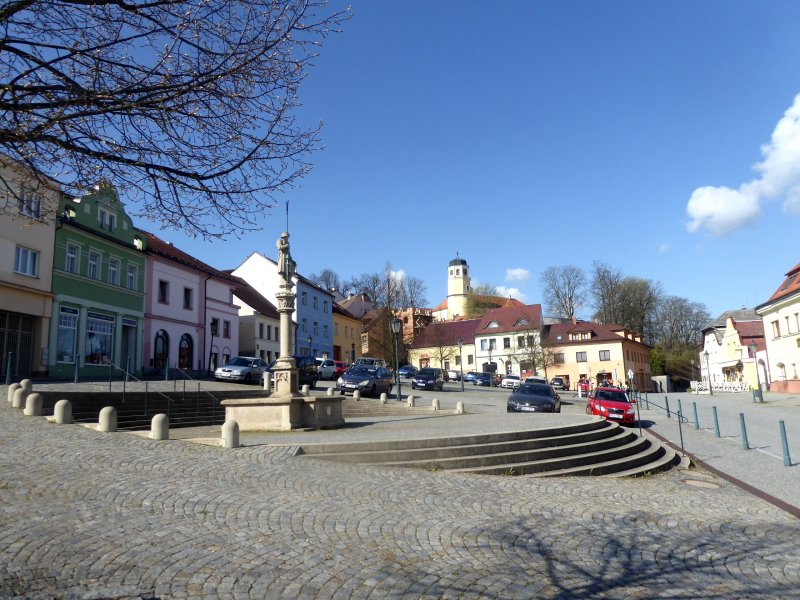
x: 574, y: 320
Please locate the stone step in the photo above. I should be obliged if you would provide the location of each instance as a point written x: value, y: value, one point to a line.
x: 650, y: 459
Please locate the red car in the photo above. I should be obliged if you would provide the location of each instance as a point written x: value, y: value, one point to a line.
x: 583, y: 386
x: 341, y: 367
x: 612, y: 404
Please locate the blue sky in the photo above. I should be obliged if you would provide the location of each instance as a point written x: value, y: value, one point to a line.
x: 527, y: 134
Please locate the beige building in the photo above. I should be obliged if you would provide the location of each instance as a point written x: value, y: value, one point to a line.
x: 27, y: 234
x: 437, y: 346
x: 781, y: 321
x: 599, y: 353
x: 346, y: 335
x: 725, y: 359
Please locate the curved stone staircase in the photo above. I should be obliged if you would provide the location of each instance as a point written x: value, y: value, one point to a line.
x: 592, y: 447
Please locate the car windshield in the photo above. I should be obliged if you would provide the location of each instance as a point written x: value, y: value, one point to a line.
x: 535, y: 389
x: 239, y: 362
x: 363, y: 371
x: 512, y: 377
x: 612, y: 395
x: 427, y: 373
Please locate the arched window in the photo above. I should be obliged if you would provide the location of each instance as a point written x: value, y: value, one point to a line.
x: 161, y: 349
x: 185, y: 352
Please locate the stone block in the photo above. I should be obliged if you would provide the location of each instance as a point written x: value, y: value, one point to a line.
x: 459, y: 408
x: 384, y: 398
x: 108, y: 420
x: 27, y: 385
x: 63, y: 412
x: 435, y: 404
x: 230, y: 434
x: 411, y: 400
x: 11, y: 389
x: 33, y: 405
x: 329, y: 392
x: 19, y: 398
x: 159, y: 427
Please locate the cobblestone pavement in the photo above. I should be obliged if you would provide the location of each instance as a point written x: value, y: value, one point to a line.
x: 91, y: 515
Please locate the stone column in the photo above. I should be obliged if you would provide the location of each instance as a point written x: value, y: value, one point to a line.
x: 284, y: 373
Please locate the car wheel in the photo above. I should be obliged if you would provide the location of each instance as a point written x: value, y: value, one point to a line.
x: 374, y: 391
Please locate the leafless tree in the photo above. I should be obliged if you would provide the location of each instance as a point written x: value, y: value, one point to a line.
x: 628, y: 301
x: 680, y: 322
x: 390, y: 288
x: 326, y: 279
x: 479, y: 300
x: 564, y: 290
x: 442, y: 346
x: 605, y: 286
x: 188, y: 108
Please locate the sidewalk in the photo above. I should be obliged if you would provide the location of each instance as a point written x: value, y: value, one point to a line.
x: 762, y: 466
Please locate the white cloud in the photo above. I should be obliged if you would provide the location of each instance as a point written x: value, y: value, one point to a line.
x: 397, y: 275
x: 720, y: 210
x: 663, y: 248
x: 517, y: 274
x: 502, y: 290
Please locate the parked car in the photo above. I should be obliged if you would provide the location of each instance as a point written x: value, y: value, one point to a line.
x: 326, y: 368
x: 558, y: 383
x: 535, y: 379
x: 369, y: 361
x: 341, y: 367
x: 407, y: 371
x: 428, y: 379
x: 306, y: 370
x: 534, y: 397
x: 453, y: 375
x: 613, y: 404
x: 484, y: 379
x: 583, y: 387
x: 470, y: 376
x: 367, y: 379
x: 510, y: 381
x: 247, y: 369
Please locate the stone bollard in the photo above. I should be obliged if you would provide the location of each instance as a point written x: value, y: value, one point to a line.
x: 266, y: 381
x: 435, y: 404
x: 11, y: 389
x: 63, y: 412
x: 305, y: 391
x: 410, y: 401
x: 329, y: 392
x: 19, y: 398
x: 459, y: 408
x: 33, y: 405
x: 27, y: 385
x: 384, y: 397
x: 357, y: 395
x: 159, y: 427
x: 230, y: 434
x: 108, y: 420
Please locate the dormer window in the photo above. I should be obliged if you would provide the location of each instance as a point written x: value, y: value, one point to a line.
x: 522, y: 322
x: 29, y: 204
x: 493, y: 324
x: 107, y: 219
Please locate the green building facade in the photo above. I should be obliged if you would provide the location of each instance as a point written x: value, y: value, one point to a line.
x: 98, y: 283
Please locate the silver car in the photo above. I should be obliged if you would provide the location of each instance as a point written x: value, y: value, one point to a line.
x: 248, y: 369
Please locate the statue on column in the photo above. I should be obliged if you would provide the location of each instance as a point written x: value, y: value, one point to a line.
x: 286, y: 265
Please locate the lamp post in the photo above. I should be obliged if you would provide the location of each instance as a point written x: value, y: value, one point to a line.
x: 691, y: 361
x: 397, y: 324
x: 491, y: 373
x: 753, y: 349
x: 708, y: 368
x: 460, y: 343
x: 352, y: 353
x: 310, y: 341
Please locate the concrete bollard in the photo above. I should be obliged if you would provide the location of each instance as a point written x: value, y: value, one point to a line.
x: 459, y: 408
x: 329, y: 392
x: 11, y: 389
x: 435, y: 404
x: 230, y: 434
x: 159, y: 427
x: 33, y: 405
x: 305, y: 391
x: 410, y: 401
x: 27, y: 385
x: 357, y: 395
x: 108, y: 420
x: 266, y: 381
x: 63, y: 412
x: 384, y: 397
x: 19, y: 398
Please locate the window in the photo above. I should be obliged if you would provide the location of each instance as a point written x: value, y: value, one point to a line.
x: 521, y: 341
x: 133, y: 276
x: 325, y: 306
x: 507, y: 342
x: 226, y: 329
x: 484, y: 344
x: 304, y: 326
x: 29, y: 204
x: 187, y: 298
x: 71, y: 265
x: 605, y: 354
x: 580, y: 356
x: 558, y: 358
x: 261, y: 330
x: 492, y: 344
x: 26, y: 261
x: 335, y: 329
x: 269, y: 332
x: 316, y: 328
x: 67, y: 325
x: 163, y: 291
x: 789, y: 281
x: 214, y: 326
x: 470, y: 359
x: 99, y: 339
x: 325, y: 331
x: 93, y: 270
x: 304, y: 298
x: 316, y: 303
x: 458, y: 360
x: 113, y: 271
x: 107, y: 219
x: 776, y: 329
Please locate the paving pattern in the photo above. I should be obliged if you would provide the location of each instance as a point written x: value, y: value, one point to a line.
x: 91, y: 515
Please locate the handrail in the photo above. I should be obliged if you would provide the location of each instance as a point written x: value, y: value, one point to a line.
x: 187, y: 376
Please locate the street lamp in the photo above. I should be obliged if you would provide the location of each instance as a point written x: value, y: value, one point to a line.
x: 708, y: 368
x: 352, y: 353
x: 491, y: 373
x: 460, y: 343
x: 753, y: 349
x: 310, y: 340
x: 397, y: 325
x: 691, y: 361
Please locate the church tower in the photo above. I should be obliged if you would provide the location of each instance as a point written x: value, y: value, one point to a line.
x: 457, y: 287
